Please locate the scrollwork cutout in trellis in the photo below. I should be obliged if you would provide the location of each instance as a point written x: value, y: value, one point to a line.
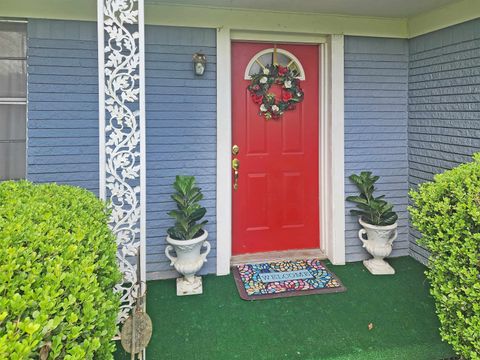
x: 122, y: 140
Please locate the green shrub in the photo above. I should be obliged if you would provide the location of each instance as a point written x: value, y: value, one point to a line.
x: 447, y: 213
x: 57, y: 270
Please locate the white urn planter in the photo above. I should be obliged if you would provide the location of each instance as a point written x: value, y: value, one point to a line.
x: 378, y: 243
x: 188, y: 262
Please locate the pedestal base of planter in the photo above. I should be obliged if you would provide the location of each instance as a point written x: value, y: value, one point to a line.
x: 378, y: 267
x: 185, y: 287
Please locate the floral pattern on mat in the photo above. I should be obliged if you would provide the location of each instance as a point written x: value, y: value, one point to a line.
x: 250, y: 275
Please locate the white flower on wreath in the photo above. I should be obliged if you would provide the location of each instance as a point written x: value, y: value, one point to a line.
x: 266, y: 71
x: 275, y: 108
x: 263, y: 108
x: 263, y: 80
x: 287, y: 84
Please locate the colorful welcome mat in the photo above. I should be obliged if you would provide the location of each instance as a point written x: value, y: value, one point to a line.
x: 285, y: 278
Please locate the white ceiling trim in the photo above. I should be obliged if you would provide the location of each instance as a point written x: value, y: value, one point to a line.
x: 374, y: 8
x: 157, y: 12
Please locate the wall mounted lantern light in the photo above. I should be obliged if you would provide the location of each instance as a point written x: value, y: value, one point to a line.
x: 199, y: 63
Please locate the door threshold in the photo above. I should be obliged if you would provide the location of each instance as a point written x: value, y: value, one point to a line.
x: 256, y: 258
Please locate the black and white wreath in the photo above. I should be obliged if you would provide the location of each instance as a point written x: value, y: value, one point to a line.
x: 270, y: 106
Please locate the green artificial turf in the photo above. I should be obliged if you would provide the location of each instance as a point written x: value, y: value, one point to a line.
x: 219, y: 325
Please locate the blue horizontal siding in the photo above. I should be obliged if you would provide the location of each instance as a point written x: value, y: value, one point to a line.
x: 411, y: 111
x: 63, y: 103
x: 181, y: 118
x: 376, y: 75
x: 181, y: 132
x: 444, y: 111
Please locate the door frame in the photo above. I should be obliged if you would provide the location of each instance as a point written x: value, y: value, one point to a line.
x: 331, y: 140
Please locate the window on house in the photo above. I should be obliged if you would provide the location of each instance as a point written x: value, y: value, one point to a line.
x: 279, y: 56
x: 13, y: 101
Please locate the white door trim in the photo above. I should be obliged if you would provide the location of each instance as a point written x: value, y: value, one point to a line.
x: 332, y: 152
x: 224, y: 145
x: 332, y: 205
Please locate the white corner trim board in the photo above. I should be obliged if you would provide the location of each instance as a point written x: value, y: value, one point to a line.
x: 122, y: 138
x: 332, y: 205
x: 336, y: 206
x: 224, y: 145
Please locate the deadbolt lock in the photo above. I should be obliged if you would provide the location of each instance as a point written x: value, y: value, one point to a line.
x: 235, y: 149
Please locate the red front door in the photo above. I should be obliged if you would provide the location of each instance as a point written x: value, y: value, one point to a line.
x: 276, y: 204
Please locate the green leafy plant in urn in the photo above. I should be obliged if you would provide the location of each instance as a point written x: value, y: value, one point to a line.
x: 188, y: 236
x: 378, y: 221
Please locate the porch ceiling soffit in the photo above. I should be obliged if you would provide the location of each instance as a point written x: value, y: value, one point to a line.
x: 369, y: 8
x: 216, y: 17
x: 445, y: 14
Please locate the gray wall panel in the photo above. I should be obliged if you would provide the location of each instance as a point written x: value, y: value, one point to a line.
x: 376, y: 75
x: 411, y: 111
x: 444, y: 111
x: 63, y: 103
x: 181, y: 118
x: 181, y: 132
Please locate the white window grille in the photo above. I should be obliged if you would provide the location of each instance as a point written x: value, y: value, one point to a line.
x: 275, y: 55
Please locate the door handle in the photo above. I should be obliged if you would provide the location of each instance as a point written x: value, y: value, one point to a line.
x: 235, y: 167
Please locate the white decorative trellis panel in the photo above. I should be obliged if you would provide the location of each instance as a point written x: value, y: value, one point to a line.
x: 122, y: 137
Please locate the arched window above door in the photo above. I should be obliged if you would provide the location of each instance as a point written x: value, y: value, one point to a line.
x: 266, y: 57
